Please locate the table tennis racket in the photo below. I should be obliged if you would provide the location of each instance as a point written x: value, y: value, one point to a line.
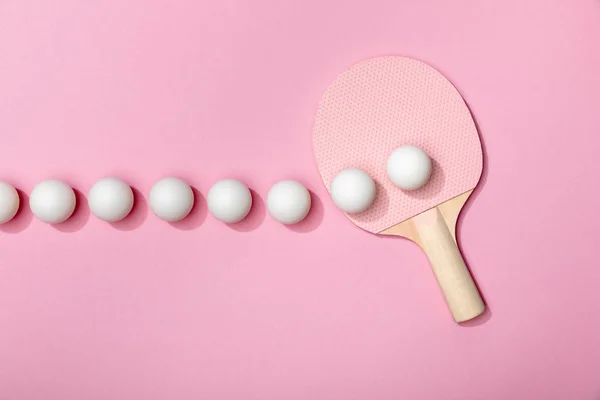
x: 383, y: 103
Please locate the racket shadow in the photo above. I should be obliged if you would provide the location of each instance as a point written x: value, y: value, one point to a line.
x: 483, y: 318
x: 484, y: 172
x: 487, y: 314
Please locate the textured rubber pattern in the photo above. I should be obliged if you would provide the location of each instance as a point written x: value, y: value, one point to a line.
x: 383, y: 103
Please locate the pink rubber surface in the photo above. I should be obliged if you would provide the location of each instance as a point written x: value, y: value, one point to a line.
x: 381, y: 104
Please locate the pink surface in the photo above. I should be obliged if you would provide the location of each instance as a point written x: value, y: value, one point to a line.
x: 200, y: 310
x: 383, y: 103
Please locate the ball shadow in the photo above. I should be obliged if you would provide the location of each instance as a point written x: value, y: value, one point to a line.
x: 138, y: 213
x: 196, y: 216
x: 255, y: 217
x: 314, y: 217
x: 381, y: 204
x: 22, y: 219
x: 434, y: 186
x: 79, y: 218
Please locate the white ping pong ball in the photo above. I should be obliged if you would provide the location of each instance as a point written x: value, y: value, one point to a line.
x: 110, y: 199
x: 171, y: 199
x: 229, y: 200
x: 52, y: 201
x: 409, y: 167
x: 353, y: 190
x: 9, y: 202
x: 288, y: 202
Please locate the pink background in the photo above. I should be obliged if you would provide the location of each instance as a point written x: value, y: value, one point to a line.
x: 200, y: 310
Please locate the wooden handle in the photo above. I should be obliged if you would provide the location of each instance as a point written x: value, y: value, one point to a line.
x: 436, y: 239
